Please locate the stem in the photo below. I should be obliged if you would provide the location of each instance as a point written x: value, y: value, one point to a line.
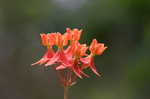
x: 66, y: 92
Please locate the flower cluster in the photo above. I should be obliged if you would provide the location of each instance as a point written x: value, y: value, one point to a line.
x: 67, y: 56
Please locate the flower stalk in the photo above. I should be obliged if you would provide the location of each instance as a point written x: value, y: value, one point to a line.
x: 66, y: 92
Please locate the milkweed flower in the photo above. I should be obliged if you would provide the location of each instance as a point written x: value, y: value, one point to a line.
x: 69, y: 58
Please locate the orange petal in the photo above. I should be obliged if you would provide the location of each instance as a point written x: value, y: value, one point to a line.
x: 44, y: 39
x: 93, y: 45
x: 76, y: 34
x: 100, y: 49
x: 51, y: 38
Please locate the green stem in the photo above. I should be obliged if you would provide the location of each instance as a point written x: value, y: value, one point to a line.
x: 66, y: 92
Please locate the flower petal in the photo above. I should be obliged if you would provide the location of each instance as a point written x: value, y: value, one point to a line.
x: 47, y: 56
x: 92, y: 66
x: 64, y: 59
x: 60, y: 67
x: 53, y: 59
x: 77, y: 71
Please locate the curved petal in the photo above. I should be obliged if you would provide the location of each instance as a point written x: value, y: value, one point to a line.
x: 61, y: 67
x: 92, y: 66
x: 53, y: 59
x: 89, y: 62
x: 47, y: 56
x: 65, y: 59
x: 77, y: 71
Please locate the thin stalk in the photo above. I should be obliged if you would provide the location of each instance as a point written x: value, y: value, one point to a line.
x: 66, y: 92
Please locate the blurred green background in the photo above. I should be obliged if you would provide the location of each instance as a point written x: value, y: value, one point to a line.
x: 123, y: 25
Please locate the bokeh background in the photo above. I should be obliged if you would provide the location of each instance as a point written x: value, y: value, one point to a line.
x: 123, y: 25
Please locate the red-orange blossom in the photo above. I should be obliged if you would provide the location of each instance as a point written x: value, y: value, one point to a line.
x: 70, y: 57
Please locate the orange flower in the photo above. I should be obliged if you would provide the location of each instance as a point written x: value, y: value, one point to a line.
x: 76, y: 34
x: 48, y: 39
x: 73, y: 35
x: 44, y: 39
x: 96, y: 48
x: 69, y: 59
